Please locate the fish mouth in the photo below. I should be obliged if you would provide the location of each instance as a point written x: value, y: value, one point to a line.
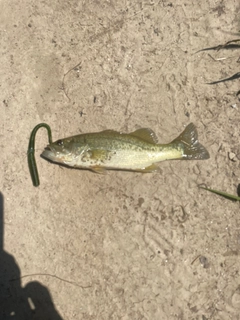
x: 48, y: 154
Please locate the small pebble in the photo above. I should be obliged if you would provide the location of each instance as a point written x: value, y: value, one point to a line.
x: 204, y: 262
x: 232, y: 156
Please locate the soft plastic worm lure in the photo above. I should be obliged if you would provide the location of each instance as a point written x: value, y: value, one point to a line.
x: 31, y: 152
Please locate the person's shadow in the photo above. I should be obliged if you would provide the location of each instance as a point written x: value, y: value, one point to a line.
x: 16, y: 302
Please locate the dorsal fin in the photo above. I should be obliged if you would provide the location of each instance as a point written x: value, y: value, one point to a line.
x: 145, y: 134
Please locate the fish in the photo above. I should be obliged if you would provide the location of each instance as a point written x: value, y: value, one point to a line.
x: 112, y: 150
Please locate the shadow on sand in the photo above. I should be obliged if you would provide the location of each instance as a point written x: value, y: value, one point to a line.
x: 16, y: 302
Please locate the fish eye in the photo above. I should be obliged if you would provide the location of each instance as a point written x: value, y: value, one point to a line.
x: 59, y: 142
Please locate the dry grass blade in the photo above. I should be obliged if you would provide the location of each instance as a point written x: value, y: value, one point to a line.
x: 223, y: 194
x: 233, y: 77
x: 228, y: 45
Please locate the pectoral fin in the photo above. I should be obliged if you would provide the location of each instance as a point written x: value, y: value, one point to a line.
x: 99, y: 154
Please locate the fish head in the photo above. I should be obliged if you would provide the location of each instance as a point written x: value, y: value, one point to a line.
x: 59, y: 151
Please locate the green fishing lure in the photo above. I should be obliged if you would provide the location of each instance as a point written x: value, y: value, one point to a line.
x: 31, y: 152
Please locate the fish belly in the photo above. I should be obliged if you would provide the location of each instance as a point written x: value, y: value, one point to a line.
x: 125, y: 159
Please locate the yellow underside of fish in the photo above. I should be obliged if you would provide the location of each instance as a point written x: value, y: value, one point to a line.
x: 98, y: 160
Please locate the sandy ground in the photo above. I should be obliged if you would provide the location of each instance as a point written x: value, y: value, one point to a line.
x: 123, y: 245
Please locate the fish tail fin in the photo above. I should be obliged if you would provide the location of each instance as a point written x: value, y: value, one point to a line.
x: 188, y: 142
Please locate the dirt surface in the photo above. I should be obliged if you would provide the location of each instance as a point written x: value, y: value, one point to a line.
x: 123, y: 245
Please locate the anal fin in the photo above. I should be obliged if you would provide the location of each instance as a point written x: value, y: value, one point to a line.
x: 152, y: 168
x: 98, y: 169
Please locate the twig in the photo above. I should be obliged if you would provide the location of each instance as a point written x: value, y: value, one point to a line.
x: 53, y: 276
x: 63, y: 83
x: 218, y: 59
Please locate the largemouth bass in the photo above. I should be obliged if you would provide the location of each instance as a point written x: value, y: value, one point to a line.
x: 136, y: 151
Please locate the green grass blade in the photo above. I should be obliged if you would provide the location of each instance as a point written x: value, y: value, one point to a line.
x: 223, y: 194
